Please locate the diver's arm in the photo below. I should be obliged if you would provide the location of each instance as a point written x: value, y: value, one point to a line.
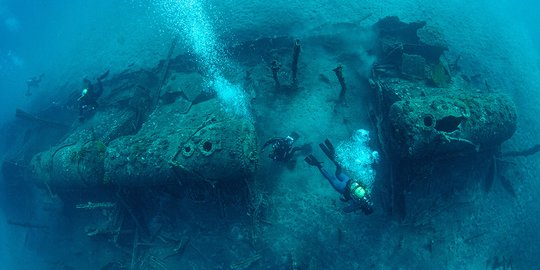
x: 271, y: 141
x: 351, y: 207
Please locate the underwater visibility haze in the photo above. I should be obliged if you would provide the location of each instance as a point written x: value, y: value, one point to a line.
x: 200, y: 134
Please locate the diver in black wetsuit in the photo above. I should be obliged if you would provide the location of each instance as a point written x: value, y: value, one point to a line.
x: 33, y: 83
x: 90, y: 94
x: 282, y: 149
x: 353, y: 191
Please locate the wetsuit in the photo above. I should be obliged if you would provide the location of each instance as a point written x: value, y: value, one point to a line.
x: 33, y: 83
x: 342, y: 184
x: 93, y: 92
x: 282, y: 149
x: 352, y: 191
x: 338, y: 180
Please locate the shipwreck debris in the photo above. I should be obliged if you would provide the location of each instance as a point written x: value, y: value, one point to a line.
x: 275, y: 67
x: 19, y: 113
x: 339, y: 74
x: 149, y: 158
x: 27, y: 225
x: 294, y: 66
x: 441, y: 125
x: 246, y: 263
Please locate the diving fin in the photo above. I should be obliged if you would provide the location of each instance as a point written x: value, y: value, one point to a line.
x: 330, y: 146
x: 311, y: 160
x: 328, y: 150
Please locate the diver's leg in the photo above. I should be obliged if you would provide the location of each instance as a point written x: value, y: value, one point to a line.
x: 329, y: 150
x: 339, y: 170
x: 340, y: 175
x: 336, y: 183
x: 104, y: 75
x: 99, y: 89
x: 331, y: 179
x: 81, y: 109
x: 326, y: 175
x: 93, y: 104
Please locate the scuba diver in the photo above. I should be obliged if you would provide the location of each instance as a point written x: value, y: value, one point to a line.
x: 33, y: 83
x: 353, y: 191
x: 282, y: 148
x: 90, y: 94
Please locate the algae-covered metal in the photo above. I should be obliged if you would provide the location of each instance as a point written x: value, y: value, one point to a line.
x: 188, y: 137
x: 450, y: 124
x: 205, y: 144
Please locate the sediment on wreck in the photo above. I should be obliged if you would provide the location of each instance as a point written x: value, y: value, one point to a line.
x: 454, y: 124
x: 186, y: 138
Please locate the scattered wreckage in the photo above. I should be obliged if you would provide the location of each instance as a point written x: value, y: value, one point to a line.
x: 160, y: 128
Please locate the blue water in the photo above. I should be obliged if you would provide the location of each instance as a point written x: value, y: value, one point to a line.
x: 68, y: 40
